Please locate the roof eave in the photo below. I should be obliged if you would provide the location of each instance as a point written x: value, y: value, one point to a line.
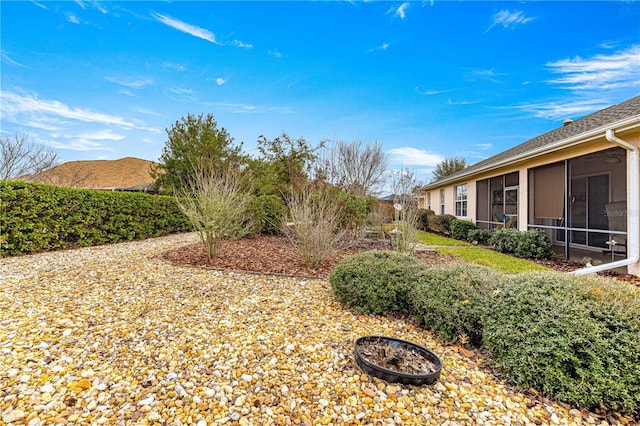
x: 622, y: 125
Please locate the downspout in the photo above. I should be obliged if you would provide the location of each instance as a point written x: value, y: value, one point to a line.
x: 633, y: 231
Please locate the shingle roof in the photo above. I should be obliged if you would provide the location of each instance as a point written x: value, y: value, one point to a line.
x: 98, y: 174
x: 625, y: 110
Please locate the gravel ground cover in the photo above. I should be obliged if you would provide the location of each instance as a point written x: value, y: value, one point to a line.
x: 114, y: 335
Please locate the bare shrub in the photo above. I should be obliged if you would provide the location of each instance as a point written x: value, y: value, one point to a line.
x: 20, y: 157
x: 356, y: 168
x: 314, y: 226
x: 406, y: 214
x: 217, y: 203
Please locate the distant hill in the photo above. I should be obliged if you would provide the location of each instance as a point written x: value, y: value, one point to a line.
x: 124, y: 174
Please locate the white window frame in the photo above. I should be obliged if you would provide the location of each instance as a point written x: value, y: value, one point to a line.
x: 462, y: 192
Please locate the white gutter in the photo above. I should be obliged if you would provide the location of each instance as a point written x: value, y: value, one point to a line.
x: 633, y: 231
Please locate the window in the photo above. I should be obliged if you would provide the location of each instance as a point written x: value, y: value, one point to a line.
x: 442, y: 201
x: 428, y: 200
x: 461, y: 200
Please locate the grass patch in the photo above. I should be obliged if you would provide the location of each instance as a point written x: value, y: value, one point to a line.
x: 498, y: 261
x: 431, y: 239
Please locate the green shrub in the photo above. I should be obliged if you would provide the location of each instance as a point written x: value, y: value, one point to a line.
x: 574, y: 338
x: 442, y: 223
x: 424, y: 216
x: 534, y: 243
x: 505, y: 240
x: 479, y: 236
x: 353, y: 208
x: 375, y: 282
x: 449, y: 299
x: 36, y: 217
x: 268, y: 212
x: 460, y: 229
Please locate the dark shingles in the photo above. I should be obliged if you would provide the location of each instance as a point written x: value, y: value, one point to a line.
x: 593, y: 121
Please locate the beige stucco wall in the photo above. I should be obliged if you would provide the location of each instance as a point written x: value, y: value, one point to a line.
x: 523, y: 168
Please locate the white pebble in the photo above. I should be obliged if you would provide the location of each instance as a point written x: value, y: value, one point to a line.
x: 47, y: 388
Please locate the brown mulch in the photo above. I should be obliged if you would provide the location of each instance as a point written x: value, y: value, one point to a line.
x: 277, y: 255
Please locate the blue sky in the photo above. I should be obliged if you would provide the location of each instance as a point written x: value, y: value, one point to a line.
x: 428, y: 79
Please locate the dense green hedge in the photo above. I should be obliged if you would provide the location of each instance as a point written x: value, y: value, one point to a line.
x: 531, y: 244
x: 450, y: 299
x: 572, y: 337
x: 36, y: 217
x: 460, y: 229
x: 375, y: 282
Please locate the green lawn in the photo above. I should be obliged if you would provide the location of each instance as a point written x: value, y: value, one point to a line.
x: 438, y: 240
x: 499, y: 261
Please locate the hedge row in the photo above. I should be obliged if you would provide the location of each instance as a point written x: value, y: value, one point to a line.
x: 573, y: 338
x: 36, y: 217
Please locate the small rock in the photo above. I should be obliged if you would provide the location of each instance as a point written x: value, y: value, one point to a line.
x: 13, y: 416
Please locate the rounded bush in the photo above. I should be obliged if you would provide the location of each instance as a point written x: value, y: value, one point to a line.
x: 449, y: 299
x: 268, y: 212
x: 375, y: 282
x: 443, y: 222
x: 424, y: 217
x: 460, y: 229
x: 574, y: 338
x: 479, y: 236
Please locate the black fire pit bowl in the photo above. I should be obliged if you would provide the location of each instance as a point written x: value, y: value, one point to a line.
x: 397, y: 376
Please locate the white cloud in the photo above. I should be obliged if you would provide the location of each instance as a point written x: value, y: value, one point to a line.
x: 186, y: 28
x: 432, y: 92
x: 125, y: 92
x: 488, y: 75
x: 383, y: 46
x: 220, y: 81
x: 484, y: 146
x: 81, y: 4
x: 452, y: 102
x: 409, y: 156
x: 17, y: 108
x: 40, y: 5
x: 12, y: 62
x: 567, y: 109
x: 400, y: 11
x: 79, y: 144
x: 132, y: 84
x: 239, y: 43
x: 275, y: 53
x: 101, y: 135
x: 73, y: 19
x: 509, y: 19
x: 181, y: 92
x: 146, y: 111
x: 177, y: 67
x: 600, y: 72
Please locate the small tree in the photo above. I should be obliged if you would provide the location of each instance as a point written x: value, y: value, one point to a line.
x: 194, y: 141
x: 288, y: 162
x: 449, y: 166
x: 315, y: 215
x: 217, y: 203
x: 20, y: 157
x: 406, y: 214
x: 357, y: 169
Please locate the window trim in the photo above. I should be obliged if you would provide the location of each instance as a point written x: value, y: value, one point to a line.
x: 461, y: 202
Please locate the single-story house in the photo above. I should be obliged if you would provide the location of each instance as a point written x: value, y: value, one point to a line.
x: 580, y: 183
x: 124, y: 174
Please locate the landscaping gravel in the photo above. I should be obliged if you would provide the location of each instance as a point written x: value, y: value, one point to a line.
x: 113, y: 335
